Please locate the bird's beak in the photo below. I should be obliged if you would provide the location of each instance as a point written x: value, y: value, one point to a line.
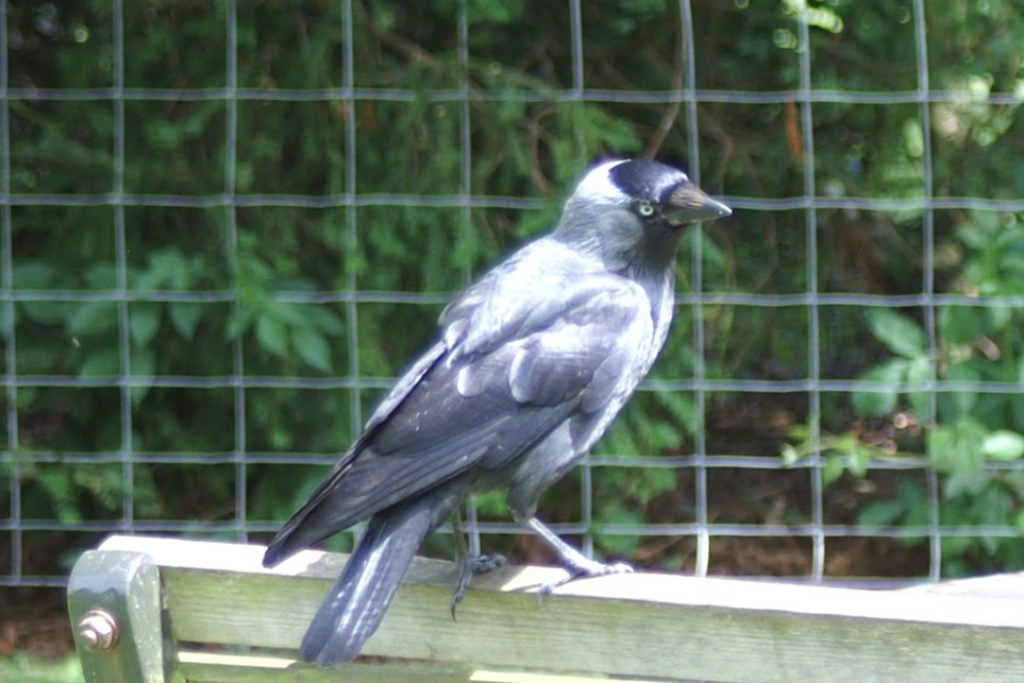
x: 687, y: 203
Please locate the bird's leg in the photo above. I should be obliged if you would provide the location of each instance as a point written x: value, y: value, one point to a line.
x: 468, y: 564
x: 462, y: 558
x: 578, y: 566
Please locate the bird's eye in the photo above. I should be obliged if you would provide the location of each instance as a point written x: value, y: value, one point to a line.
x: 645, y: 209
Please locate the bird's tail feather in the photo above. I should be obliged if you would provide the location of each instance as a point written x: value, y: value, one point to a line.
x: 354, y: 608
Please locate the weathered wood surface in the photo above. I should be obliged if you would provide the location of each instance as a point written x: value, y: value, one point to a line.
x: 646, y: 626
x: 114, y: 598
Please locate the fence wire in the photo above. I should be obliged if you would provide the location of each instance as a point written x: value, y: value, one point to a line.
x: 17, y: 456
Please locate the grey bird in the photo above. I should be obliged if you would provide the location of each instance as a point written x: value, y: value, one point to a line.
x: 534, y: 362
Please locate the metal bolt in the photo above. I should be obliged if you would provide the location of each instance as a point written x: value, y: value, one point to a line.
x: 98, y: 630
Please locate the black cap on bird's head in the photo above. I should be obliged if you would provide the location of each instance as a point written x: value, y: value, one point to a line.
x: 632, y: 210
x: 661, y: 191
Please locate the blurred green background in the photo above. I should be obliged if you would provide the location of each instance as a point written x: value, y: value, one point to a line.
x: 227, y: 226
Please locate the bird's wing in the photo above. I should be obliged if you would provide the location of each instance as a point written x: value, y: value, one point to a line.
x: 524, y: 350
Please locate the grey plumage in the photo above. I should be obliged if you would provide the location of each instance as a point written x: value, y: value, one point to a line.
x: 535, y: 361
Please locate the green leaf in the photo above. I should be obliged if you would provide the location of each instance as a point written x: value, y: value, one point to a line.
x: 978, y: 231
x: 964, y: 483
x: 1017, y: 408
x: 993, y: 507
x: 45, y: 312
x: 661, y: 434
x: 143, y: 365
x: 624, y: 545
x: 962, y: 324
x: 32, y: 274
x: 185, y: 317
x: 618, y: 440
x: 680, y: 404
x: 963, y: 400
x: 174, y: 269
x: 654, y: 482
x: 1003, y: 445
x: 312, y: 348
x: 272, y: 335
x: 58, y: 483
x: 326, y: 320
x: 876, y: 402
x: 918, y: 374
x: 957, y: 448
x: 167, y: 270
x: 93, y: 317
x: 832, y: 469
x: 102, y: 276
x: 900, y: 333
x: 999, y: 317
x: 1008, y: 239
x: 238, y: 322
x: 857, y: 461
x: 143, y: 322
x: 286, y: 312
x: 103, y: 363
x: 884, y: 513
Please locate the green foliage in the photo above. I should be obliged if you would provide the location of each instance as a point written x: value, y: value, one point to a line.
x: 238, y: 256
x: 27, y: 669
x: 971, y: 430
x: 203, y: 285
x: 843, y: 452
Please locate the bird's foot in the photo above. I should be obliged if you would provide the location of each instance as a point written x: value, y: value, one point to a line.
x: 583, y: 568
x: 481, y: 564
x: 475, y: 564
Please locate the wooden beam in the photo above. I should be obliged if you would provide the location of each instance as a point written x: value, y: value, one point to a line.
x: 206, y: 667
x: 114, y: 607
x: 639, y: 625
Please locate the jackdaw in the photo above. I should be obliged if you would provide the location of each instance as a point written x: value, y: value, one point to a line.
x: 535, y: 361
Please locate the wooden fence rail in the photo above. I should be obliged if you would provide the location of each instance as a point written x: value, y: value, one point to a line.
x: 153, y: 609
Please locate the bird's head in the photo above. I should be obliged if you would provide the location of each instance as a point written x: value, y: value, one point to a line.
x: 632, y: 213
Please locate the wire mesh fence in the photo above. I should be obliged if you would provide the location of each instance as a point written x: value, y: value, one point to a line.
x: 202, y: 285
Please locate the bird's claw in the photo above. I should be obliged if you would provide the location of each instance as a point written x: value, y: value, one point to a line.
x: 477, y: 564
x: 584, y: 570
x: 481, y: 564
